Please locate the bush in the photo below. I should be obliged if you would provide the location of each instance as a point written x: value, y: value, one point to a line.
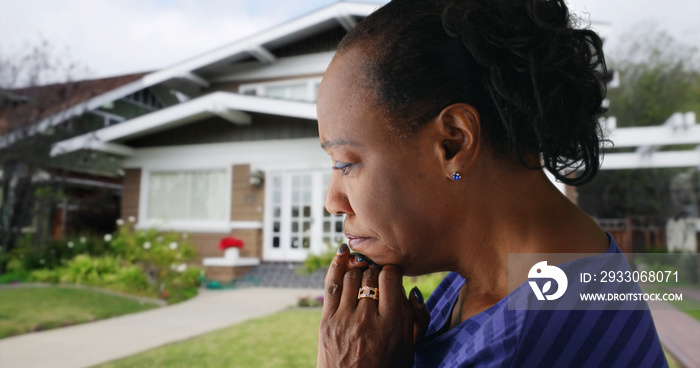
x: 141, y: 262
x: 131, y: 278
x: 28, y: 257
x: 44, y: 275
x: 13, y: 277
x: 315, y: 262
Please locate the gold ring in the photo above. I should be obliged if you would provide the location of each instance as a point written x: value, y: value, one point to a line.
x: 368, y: 292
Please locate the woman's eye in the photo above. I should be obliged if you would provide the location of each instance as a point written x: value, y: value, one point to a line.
x: 344, y: 166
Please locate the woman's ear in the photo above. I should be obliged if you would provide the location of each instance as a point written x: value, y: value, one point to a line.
x: 459, y: 126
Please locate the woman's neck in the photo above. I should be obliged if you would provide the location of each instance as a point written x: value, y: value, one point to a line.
x: 527, y: 215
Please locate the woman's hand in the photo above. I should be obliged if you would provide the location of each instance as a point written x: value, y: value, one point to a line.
x: 367, y: 332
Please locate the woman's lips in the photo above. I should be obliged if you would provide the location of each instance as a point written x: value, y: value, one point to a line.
x: 355, y: 241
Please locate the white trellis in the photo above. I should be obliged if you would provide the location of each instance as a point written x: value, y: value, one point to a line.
x: 679, y: 129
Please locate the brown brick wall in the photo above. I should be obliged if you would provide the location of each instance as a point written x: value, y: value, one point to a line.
x: 247, y: 204
x: 131, y: 192
x: 248, y: 201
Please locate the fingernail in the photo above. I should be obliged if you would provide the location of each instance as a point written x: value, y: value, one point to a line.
x: 417, y: 294
x: 361, y: 258
x: 342, y: 248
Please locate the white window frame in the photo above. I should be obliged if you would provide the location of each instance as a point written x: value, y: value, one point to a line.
x: 196, y: 226
x: 260, y: 88
x: 317, y: 246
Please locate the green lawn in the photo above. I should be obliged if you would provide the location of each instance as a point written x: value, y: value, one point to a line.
x: 30, y: 309
x: 286, y: 339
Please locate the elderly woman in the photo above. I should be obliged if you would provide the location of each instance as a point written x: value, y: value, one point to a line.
x: 438, y: 117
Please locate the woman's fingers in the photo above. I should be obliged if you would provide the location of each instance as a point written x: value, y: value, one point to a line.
x: 370, y: 278
x: 334, y: 280
x: 421, y: 314
x: 359, y: 260
x: 391, y: 291
x: 351, y: 285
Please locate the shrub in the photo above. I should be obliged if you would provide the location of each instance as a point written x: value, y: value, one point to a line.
x: 131, y: 278
x: 142, y: 262
x: 44, y: 275
x: 53, y: 254
x: 315, y: 262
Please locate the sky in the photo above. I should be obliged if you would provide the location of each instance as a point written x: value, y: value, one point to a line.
x: 125, y: 36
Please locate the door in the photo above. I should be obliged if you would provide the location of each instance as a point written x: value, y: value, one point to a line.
x: 296, y: 222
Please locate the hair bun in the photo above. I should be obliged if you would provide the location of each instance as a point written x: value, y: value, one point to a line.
x: 539, y: 68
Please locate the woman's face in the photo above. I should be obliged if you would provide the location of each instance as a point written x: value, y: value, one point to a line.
x: 390, y: 189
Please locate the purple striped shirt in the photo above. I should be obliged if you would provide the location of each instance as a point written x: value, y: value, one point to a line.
x: 500, y: 337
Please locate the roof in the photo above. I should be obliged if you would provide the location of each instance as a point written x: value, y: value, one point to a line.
x: 54, y: 98
x: 256, y: 47
x: 230, y: 106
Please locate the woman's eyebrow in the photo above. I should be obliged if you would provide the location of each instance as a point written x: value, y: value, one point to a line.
x: 338, y: 142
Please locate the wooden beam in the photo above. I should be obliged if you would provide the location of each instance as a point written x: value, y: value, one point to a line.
x: 196, y: 79
x: 235, y: 116
x: 262, y: 54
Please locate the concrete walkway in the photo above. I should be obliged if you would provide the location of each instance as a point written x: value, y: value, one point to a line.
x: 679, y: 333
x: 97, y: 342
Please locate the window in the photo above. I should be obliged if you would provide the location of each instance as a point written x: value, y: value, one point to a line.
x: 188, y: 195
x: 296, y: 222
x: 296, y: 90
x: 145, y: 99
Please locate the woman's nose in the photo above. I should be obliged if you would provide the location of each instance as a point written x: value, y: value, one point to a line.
x: 337, y: 201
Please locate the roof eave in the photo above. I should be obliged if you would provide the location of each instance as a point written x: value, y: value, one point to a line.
x: 230, y: 106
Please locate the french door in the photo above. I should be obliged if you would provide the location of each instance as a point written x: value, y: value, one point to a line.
x: 296, y: 222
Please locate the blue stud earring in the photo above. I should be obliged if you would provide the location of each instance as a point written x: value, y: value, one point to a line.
x: 456, y: 176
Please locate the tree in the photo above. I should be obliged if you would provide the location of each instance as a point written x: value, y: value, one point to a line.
x: 25, y: 101
x: 658, y: 77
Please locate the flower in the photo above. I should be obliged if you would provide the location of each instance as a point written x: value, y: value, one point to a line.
x: 120, y: 222
x: 146, y: 245
x: 173, y: 245
x: 181, y: 268
x: 132, y: 219
x: 229, y: 242
x: 108, y: 237
x: 70, y: 244
x: 83, y: 240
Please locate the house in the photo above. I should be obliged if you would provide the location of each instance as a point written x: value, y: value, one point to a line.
x: 78, y: 181
x: 233, y: 148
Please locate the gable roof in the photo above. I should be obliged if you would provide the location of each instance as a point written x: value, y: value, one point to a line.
x: 230, y: 106
x: 54, y: 98
x: 196, y: 69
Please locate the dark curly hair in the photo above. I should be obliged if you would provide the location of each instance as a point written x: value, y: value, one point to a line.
x: 537, y: 81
